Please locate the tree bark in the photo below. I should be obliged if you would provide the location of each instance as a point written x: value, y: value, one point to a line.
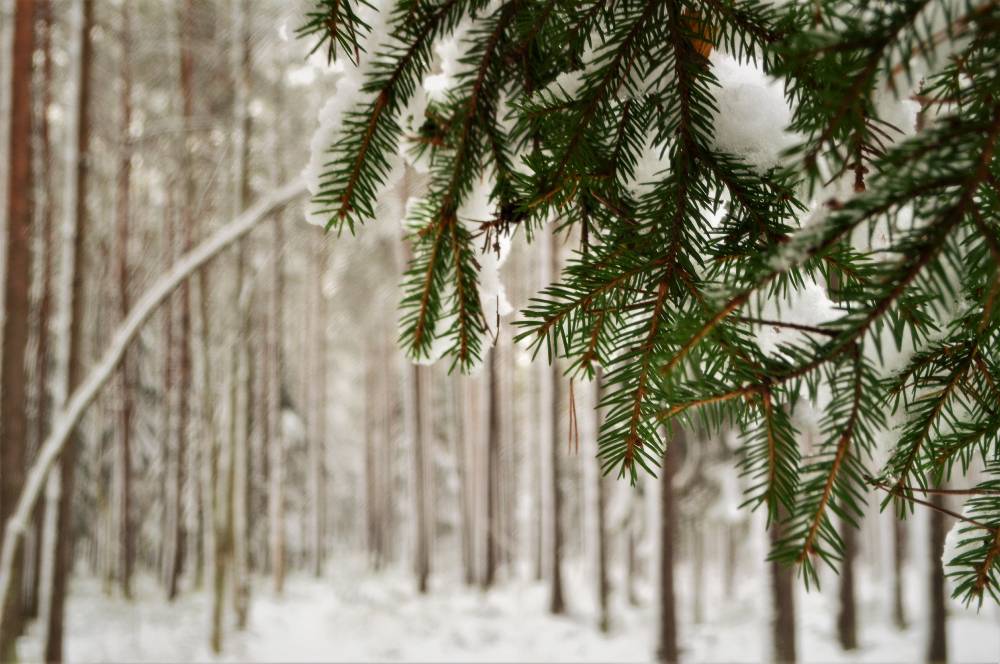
x: 222, y: 514
x: 603, y: 579
x: 317, y: 416
x: 492, y: 470
x: 372, y: 489
x: 937, y: 643
x: 668, y: 651
x: 461, y: 431
x: 421, y: 491
x: 634, y: 533
x: 847, y: 627
x: 43, y: 402
x: 783, y: 641
x: 70, y: 338
x: 123, y: 457
x: 182, y: 384
x: 213, y: 492
x: 13, y: 398
x: 898, y: 564
x: 557, y: 602
x: 240, y: 386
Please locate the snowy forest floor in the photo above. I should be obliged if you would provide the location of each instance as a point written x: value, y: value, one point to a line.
x: 355, y: 615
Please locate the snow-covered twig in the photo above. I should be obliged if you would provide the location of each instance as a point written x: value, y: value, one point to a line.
x: 69, y: 416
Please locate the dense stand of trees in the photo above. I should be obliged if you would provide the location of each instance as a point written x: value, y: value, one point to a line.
x: 264, y: 421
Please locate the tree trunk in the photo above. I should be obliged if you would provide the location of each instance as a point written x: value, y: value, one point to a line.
x: 634, y: 533
x: 782, y: 606
x: 42, y: 349
x: 540, y: 414
x: 240, y: 386
x: 603, y: 580
x: 847, y: 628
x: 492, y: 470
x: 222, y: 514
x: 123, y: 457
x: 557, y: 603
x: 241, y: 471
x: 276, y: 383
x: 937, y: 644
x: 70, y: 338
x: 419, y: 441
x: 372, y: 490
x: 317, y: 416
x: 898, y: 564
x: 213, y: 493
x: 697, y: 532
x: 461, y: 432
x: 182, y: 384
x: 668, y: 650
x: 13, y: 398
x: 387, y: 452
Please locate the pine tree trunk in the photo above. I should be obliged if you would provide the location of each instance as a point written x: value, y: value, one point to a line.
x: 783, y: 640
x: 937, y: 630
x: 509, y: 482
x: 603, y: 579
x: 421, y: 498
x: 13, y: 398
x: 698, y: 571
x: 182, y: 385
x: 667, y: 650
x: 633, y: 534
x: 541, y: 415
x: 557, y: 603
x: 898, y: 565
x: 372, y: 489
x: 213, y: 540
x: 240, y: 386
x: 222, y: 513
x: 275, y: 389
x: 123, y: 457
x: 71, y: 336
x: 232, y: 458
x: 317, y: 438
x: 492, y: 470
x: 387, y: 453
x: 847, y: 628
x: 43, y: 349
x: 462, y: 431
x: 169, y: 411
x: 240, y: 450
x: 733, y: 540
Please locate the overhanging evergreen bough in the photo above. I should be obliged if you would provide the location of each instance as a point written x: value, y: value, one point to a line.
x: 604, y: 117
x: 67, y: 419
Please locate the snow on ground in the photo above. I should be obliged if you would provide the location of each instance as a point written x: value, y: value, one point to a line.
x: 361, y: 616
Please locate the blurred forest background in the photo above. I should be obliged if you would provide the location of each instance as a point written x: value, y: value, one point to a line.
x: 266, y: 477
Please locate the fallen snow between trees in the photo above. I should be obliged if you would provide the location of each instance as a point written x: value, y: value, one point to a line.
x: 362, y: 616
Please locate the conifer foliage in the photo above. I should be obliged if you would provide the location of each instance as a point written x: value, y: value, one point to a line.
x: 561, y: 105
